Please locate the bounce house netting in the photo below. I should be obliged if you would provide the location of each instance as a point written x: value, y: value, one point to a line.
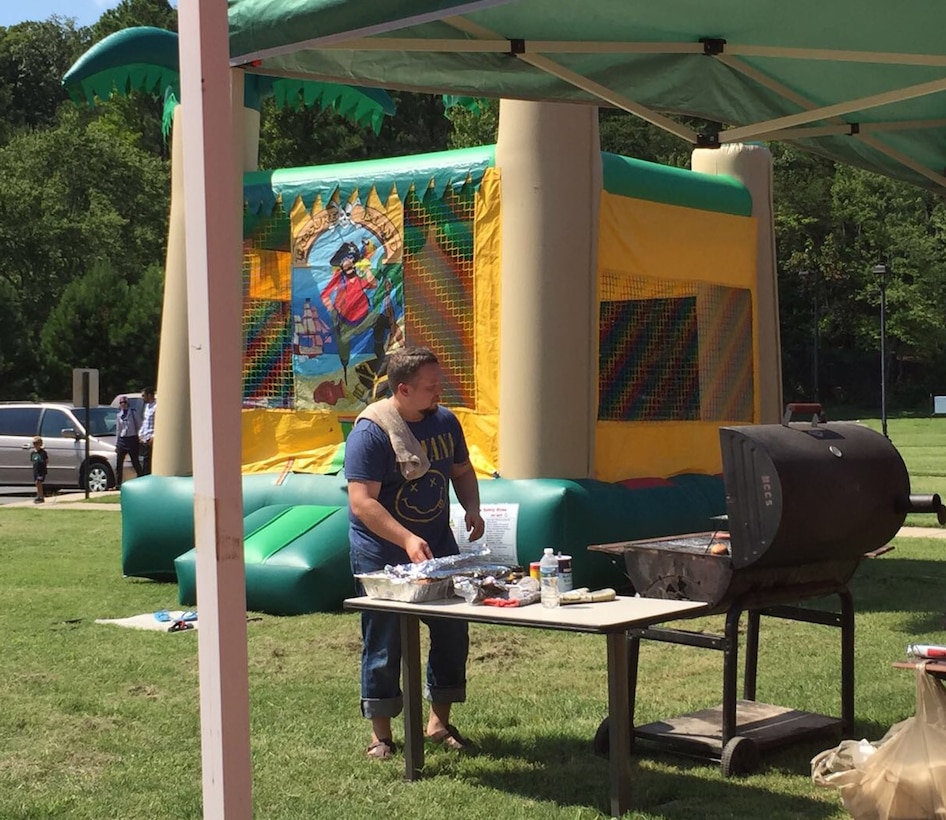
x: 267, y: 314
x: 674, y: 350
x: 439, y: 286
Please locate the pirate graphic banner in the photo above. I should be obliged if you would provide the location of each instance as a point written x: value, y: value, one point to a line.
x: 347, y: 301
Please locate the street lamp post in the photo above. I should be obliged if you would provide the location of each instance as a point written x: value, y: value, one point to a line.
x: 882, y: 271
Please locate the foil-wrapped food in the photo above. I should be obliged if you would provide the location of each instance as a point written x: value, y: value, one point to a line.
x: 428, y: 580
x: 409, y: 590
x: 512, y: 587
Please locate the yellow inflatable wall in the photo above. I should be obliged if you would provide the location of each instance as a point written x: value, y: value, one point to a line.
x: 677, y: 351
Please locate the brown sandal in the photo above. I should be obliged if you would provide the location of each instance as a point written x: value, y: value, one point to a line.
x: 451, y: 739
x: 381, y: 749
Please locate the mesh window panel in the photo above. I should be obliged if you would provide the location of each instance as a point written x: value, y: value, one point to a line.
x: 438, y: 286
x: 674, y: 351
x: 267, y: 354
x: 267, y: 323
x: 726, y: 374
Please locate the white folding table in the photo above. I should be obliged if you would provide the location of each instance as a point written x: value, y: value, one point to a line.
x: 609, y: 618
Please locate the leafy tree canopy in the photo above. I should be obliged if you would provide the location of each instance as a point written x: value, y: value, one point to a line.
x: 102, y: 321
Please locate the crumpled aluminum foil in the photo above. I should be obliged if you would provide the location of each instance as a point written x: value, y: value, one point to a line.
x: 447, y: 566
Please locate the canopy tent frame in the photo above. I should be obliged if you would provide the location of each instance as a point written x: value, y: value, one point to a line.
x: 501, y: 45
x: 861, y: 130
x: 538, y: 53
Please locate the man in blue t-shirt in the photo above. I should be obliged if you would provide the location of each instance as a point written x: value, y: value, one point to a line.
x: 394, y: 520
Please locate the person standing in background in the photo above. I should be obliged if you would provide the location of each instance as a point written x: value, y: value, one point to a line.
x: 146, y: 433
x: 40, y: 459
x: 126, y: 430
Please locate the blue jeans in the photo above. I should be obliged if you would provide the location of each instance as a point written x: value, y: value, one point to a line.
x: 381, y: 658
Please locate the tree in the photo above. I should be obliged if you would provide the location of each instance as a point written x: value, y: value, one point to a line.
x: 20, y: 372
x: 102, y: 321
x: 33, y: 59
x: 129, y: 13
x: 74, y: 195
x: 475, y: 124
x: 291, y: 138
x: 630, y: 136
x: 894, y: 223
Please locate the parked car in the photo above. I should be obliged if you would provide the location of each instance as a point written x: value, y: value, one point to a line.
x: 62, y: 428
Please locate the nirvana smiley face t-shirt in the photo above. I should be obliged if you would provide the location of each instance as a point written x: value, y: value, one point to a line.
x: 422, y: 505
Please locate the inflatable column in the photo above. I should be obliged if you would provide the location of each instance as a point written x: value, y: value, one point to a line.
x: 172, y: 452
x: 172, y: 422
x: 550, y: 160
x: 751, y: 164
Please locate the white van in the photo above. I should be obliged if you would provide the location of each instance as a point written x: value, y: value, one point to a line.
x: 62, y: 427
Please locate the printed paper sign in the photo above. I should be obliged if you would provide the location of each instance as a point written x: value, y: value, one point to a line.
x: 500, y: 536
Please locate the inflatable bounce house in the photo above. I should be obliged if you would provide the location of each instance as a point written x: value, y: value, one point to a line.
x: 591, y: 403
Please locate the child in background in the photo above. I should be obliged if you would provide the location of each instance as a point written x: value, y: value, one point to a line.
x: 40, y: 459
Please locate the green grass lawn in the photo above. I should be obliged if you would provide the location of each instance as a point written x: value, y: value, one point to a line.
x: 98, y: 722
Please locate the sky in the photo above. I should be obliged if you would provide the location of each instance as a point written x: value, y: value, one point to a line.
x: 85, y: 12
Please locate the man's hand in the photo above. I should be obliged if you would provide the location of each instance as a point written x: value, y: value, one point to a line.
x: 417, y: 549
x: 475, y: 525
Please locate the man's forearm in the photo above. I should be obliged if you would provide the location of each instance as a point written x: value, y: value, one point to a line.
x: 467, y: 489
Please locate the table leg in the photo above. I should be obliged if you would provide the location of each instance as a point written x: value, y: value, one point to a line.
x: 413, y: 703
x: 620, y: 723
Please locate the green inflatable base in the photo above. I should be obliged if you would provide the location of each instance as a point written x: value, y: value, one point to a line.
x: 296, y: 530
x: 296, y: 561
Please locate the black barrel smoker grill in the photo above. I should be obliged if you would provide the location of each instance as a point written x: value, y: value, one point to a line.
x: 805, y: 503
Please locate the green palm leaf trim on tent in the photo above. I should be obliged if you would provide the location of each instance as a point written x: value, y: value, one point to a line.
x: 364, y: 106
x: 145, y: 59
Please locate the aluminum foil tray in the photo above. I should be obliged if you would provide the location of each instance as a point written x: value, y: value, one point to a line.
x: 412, y: 591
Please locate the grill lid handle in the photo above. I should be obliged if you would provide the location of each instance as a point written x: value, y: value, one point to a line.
x: 923, y: 504
x: 818, y: 416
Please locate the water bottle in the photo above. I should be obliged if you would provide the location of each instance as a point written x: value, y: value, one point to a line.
x: 548, y: 578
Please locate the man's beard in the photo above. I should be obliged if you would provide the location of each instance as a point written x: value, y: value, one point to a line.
x: 429, y: 411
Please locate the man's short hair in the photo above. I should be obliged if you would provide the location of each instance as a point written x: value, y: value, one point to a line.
x: 405, y: 362
x: 148, y: 391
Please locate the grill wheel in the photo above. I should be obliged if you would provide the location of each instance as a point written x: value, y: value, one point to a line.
x: 740, y: 756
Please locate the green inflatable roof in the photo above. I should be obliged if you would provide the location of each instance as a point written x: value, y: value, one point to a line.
x: 635, y: 178
x: 436, y: 172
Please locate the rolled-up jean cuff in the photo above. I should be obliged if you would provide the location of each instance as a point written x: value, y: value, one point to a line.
x: 381, y: 707
x: 443, y: 694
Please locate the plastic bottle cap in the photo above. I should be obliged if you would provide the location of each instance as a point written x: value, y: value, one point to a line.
x: 549, y: 551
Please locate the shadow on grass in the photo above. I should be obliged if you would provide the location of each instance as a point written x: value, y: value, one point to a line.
x: 892, y: 584
x: 565, y: 771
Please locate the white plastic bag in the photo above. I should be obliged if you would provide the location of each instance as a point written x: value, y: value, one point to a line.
x: 903, y: 775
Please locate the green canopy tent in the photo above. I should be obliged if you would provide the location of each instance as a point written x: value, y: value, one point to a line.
x: 860, y: 82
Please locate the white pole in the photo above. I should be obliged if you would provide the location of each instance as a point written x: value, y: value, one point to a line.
x: 212, y: 163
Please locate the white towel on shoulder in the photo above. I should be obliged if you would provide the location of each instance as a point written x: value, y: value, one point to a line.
x: 411, y: 458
